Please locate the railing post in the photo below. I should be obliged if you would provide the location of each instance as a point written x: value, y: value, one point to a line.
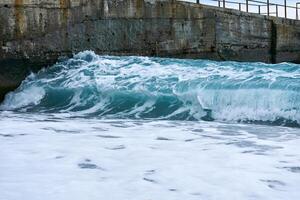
x: 258, y: 9
x: 219, y: 3
x: 268, y: 7
x: 285, y: 13
x: 224, y: 4
x: 240, y: 6
x: 247, y: 9
x: 276, y: 10
x: 297, y: 16
x: 198, y: 1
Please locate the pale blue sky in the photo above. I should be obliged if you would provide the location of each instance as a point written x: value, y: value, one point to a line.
x: 291, y: 13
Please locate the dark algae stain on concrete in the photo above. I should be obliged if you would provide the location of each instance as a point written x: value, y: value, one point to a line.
x: 19, y: 18
x: 64, y: 6
x: 273, y: 42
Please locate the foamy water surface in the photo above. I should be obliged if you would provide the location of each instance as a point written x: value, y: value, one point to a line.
x: 138, y: 128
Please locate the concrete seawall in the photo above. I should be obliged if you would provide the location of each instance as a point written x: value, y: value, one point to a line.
x: 35, y: 33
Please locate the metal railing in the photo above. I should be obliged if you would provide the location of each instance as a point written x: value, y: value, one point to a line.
x: 297, y: 10
x: 262, y: 7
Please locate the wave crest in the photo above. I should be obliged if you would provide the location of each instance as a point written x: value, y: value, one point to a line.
x: 143, y: 87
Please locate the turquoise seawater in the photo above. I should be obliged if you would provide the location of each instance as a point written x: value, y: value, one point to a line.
x: 113, y: 87
x: 138, y: 128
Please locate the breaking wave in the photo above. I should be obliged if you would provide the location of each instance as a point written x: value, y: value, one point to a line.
x: 142, y: 87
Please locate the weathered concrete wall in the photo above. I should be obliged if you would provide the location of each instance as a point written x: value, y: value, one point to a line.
x: 243, y: 37
x: 287, y: 40
x: 34, y: 33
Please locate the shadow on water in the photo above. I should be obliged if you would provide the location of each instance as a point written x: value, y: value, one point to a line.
x: 277, y: 122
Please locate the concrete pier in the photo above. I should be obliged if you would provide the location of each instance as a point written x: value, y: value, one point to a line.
x: 35, y: 33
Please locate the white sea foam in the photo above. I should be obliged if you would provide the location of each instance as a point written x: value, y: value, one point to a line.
x: 26, y: 98
x: 52, y: 157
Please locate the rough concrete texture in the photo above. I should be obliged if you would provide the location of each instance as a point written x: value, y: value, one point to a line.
x: 35, y: 33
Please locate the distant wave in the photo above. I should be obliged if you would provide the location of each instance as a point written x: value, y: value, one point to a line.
x: 174, y: 89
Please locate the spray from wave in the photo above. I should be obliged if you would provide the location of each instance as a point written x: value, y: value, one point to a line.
x: 160, y: 88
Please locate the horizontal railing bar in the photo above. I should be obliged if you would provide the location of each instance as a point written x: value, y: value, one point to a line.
x: 233, y: 2
x: 255, y: 1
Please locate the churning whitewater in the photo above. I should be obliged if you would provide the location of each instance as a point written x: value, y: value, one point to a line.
x: 133, y: 87
x: 139, y: 128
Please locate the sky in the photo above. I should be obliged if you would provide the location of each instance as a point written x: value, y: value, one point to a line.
x: 291, y: 13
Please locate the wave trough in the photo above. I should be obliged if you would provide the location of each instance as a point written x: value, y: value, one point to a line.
x: 161, y: 88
